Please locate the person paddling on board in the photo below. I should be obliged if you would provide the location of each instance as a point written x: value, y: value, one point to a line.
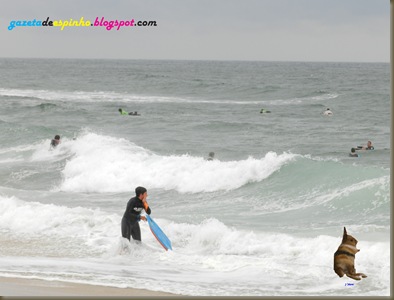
x: 123, y: 112
x: 55, y: 141
x: 264, y: 111
x: 132, y: 214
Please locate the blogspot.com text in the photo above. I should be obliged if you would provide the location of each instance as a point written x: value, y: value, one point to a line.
x: 98, y: 22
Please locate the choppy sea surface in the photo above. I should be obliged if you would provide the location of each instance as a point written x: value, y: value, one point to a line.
x: 264, y: 218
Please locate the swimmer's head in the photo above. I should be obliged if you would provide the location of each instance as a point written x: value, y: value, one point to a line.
x: 140, y: 190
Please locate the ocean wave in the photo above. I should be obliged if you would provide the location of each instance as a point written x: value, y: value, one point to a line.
x: 210, y: 236
x: 323, y: 185
x: 106, y: 164
x: 109, y: 96
x: 38, y: 219
x: 35, y: 152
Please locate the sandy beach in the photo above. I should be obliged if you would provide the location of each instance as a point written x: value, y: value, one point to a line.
x: 17, y: 287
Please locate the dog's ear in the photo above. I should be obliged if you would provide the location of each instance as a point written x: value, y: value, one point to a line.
x: 344, y: 235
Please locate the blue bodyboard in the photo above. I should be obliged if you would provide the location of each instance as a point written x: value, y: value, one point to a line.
x: 159, y: 234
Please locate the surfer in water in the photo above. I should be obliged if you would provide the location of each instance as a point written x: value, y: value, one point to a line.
x: 132, y: 214
x: 368, y: 147
x: 264, y: 111
x: 353, y: 153
x: 123, y: 112
x: 211, y: 156
x: 327, y: 112
x: 55, y: 141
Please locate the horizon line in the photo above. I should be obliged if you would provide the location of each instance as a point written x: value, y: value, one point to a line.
x: 195, y: 59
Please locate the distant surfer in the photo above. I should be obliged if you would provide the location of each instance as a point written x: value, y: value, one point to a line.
x: 368, y: 147
x: 123, y: 112
x: 132, y: 214
x: 211, y: 156
x: 264, y: 111
x: 55, y: 141
x: 353, y: 153
x: 328, y: 112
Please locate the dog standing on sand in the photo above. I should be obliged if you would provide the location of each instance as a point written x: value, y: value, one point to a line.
x: 345, y: 256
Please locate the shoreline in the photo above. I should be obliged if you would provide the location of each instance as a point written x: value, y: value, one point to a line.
x: 17, y: 287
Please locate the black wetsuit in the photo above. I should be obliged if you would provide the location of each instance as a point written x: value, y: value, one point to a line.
x: 131, y: 217
x: 366, y: 148
x: 54, y: 143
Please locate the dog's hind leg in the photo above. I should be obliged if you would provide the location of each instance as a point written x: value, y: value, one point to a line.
x: 339, y: 272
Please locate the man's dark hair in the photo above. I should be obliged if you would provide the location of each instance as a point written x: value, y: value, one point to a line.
x: 139, y: 190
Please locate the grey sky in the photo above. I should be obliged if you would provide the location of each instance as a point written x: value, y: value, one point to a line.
x: 268, y: 30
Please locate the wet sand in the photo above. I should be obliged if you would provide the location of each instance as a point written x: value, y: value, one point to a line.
x: 17, y: 287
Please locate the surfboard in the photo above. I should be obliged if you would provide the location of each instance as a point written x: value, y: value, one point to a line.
x: 159, y: 234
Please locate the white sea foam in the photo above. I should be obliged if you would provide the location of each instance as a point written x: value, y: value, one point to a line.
x: 39, y: 151
x: 107, y: 164
x: 34, y: 218
x: 110, y: 96
x: 206, y: 252
x: 80, y: 96
x: 303, y: 100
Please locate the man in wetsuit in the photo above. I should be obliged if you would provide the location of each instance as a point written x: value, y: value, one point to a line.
x: 368, y: 147
x: 132, y: 214
x: 211, y: 155
x: 55, y: 141
x: 353, y: 153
